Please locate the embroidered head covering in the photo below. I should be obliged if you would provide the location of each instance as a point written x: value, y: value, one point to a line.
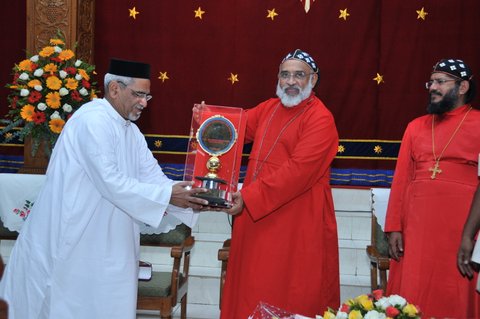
x: 454, y: 67
x: 130, y: 69
x: 302, y: 56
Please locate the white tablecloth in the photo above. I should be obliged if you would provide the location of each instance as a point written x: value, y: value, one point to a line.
x: 18, y: 193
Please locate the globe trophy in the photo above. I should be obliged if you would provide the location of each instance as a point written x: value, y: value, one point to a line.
x: 215, y: 151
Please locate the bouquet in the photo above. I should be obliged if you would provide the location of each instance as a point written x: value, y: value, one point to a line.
x: 374, y: 306
x: 46, y: 89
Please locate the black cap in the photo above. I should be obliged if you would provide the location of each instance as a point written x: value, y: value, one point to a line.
x: 131, y: 69
x: 454, y: 67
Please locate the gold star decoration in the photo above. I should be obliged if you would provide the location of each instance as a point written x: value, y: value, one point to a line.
x: 233, y: 78
x: 343, y: 14
x: 421, y: 14
x: 163, y: 76
x: 379, y: 78
x: 271, y: 14
x: 378, y: 149
x: 133, y: 12
x: 158, y: 143
x: 193, y: 145
x: 199, y: 13
x: 341, y: 149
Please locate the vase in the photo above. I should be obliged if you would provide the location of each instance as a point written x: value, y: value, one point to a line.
x: 34, y: 164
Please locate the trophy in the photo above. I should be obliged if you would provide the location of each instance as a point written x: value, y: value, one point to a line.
x: 215, y: 151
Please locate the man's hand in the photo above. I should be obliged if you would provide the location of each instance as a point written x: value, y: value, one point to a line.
x: 395, y: 245
x: 196, y: 110
x: 237, y: 207
x: 182, y: 196
x: 464, y: 255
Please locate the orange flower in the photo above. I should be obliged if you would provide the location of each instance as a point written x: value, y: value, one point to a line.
x: 50, y: 68
x: 27, y: 112
x: 56, y: 125
x: 66, y: 55
x: 46, y: 52
x: 54, y: 83
x: 33, y: 83
x: 53, y: 100
x: 56, y: 42
x: 84, y: 74
x: 25, y: 65
x: 71, y: 84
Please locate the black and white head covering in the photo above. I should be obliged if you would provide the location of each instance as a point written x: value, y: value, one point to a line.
x: 454, y: 67
x: 302, y: 56
x: 131, y: 69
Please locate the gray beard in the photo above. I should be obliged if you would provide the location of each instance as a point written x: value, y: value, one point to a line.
x: 291, y: 101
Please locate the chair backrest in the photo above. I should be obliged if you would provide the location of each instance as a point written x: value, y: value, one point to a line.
x: 174, y: 237
x: 379, y: 238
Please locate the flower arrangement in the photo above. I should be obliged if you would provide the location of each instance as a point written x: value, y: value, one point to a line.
x: 46, y: 89
x: 374, y: 306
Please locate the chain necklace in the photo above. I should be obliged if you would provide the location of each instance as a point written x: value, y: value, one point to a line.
x: 258, y: 167
x: 436, y: 168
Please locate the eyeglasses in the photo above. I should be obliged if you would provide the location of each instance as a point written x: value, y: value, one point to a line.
x: 138, y: 94
x: 438, y: 81
x: 297, y: 75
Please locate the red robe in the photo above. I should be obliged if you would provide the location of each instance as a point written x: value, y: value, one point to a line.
x: 431, y: 213
x: 284, y: 248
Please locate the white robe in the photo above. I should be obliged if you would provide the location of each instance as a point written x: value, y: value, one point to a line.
x: 77, y: 254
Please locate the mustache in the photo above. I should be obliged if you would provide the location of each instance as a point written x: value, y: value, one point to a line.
x: 435, y: 93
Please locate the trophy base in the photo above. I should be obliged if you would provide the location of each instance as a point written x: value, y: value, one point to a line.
x: 213, y: 201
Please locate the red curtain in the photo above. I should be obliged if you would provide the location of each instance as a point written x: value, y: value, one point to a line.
x: 199, y: 45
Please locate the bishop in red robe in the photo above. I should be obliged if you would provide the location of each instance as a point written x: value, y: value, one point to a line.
x: 433, y: 186
x: 284, y: 248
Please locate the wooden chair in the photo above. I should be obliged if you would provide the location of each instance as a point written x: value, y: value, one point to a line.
x: 378, y: 254
x: 166, y: 289
x: 223, y: 257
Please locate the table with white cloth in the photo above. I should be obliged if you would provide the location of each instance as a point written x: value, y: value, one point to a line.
x: 18, y: 193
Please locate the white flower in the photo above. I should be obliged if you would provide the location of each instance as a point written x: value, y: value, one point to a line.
x: 34, y: 58
x: 341, y: 315
x: 83, y: 91
x: 57, y: 49
x: 397, y: 300
x: 42, y: 106
x: 78, y: 63
x: 382, y: 303
x: 24, y: 92
x: 38, y: 72
x: 63, y: 91
x: 38, y: 88
x: 55, y: 115
x: 63, y: 74
x: 23, y: 76
x: 373, y: 314
x: 67, y: 108
x: 78, y: 77
x: 318, y: 317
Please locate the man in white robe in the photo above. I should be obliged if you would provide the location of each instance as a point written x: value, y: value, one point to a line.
x: 77, y: 254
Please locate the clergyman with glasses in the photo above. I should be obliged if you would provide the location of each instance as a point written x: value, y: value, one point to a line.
x: 433, y: 186
x: 284, y: 247
x: 77, y: 255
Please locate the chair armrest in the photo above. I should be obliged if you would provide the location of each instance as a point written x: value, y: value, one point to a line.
x: 383, y: 262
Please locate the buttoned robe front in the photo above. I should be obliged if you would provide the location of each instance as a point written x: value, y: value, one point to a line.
x: 284, y: 248
x: 430, y: 213
x: 77, y: 253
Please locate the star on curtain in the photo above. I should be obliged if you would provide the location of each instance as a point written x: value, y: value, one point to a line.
x: 341, y: 149
x: 163, y: 76
x: 133, y: 12
x: 307, y: 4
x: 421, y: 14
x: 199, y: 13
x: 379, y: 78
x: 233, y: 78
x: 271, y: 14
x: 378, y: 149
x: 343, y: 14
